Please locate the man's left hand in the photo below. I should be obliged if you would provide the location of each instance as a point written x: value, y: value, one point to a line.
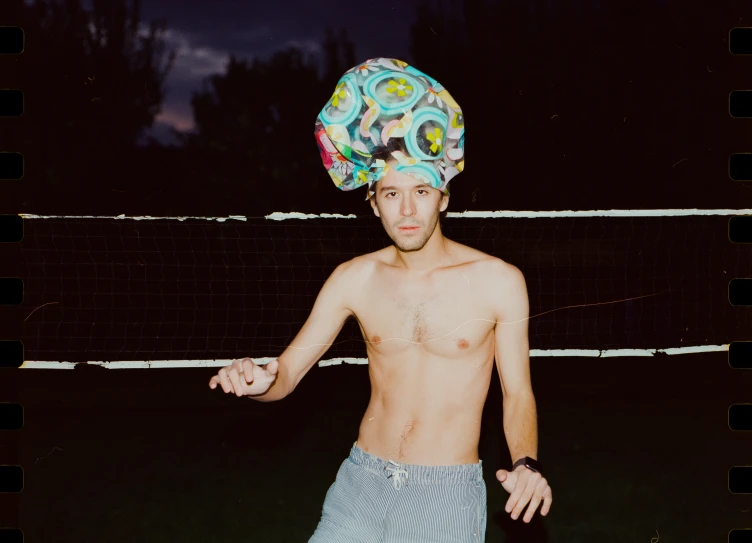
x: 525, y: 485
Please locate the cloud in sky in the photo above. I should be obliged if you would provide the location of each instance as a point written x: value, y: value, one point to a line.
x: 204, y: 36
x: 194, y: 63
x: 307, y: 46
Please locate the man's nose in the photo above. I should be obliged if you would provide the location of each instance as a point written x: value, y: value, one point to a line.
x: 407, y: 207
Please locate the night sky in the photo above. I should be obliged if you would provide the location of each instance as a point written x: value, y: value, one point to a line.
x: 205, y: 34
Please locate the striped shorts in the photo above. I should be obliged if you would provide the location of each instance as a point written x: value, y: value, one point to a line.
x: 380, y: 501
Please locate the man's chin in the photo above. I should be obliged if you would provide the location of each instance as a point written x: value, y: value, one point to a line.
x: 409, y: 248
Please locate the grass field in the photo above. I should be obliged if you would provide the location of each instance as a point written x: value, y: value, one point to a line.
x: 635, y: 450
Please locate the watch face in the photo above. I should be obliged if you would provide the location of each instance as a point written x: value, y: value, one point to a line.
x: 534, y: 464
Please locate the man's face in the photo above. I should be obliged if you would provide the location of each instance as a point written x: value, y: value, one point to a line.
x: 402, y: 200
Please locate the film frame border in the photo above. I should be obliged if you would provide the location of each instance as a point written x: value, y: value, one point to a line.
x: 740, y: 289
x: 12, y: 42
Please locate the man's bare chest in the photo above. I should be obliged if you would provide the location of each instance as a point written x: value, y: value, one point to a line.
x: 445, y: 317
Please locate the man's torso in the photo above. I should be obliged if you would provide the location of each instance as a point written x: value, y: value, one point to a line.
x: 430, y: 344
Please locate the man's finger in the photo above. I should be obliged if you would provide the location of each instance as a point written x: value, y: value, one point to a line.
x: 527, y: 494
x: 547, y: 499
x: 521, y: 503
x: 516, y: 492
x: 224, y: 380
x: 248, y: 370
x: 534, y: 503
x: 526, y: 488
x: 213, y: 382
x: 512, y: 501
x: 236, y: 384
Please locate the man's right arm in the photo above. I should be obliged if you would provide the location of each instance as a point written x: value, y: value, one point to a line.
x: 328, y: 316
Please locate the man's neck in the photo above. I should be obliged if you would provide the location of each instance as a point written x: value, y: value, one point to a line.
x: 434, y: 254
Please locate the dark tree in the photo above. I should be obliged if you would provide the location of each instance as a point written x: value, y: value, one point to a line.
x: 254, y: 122
x: 92, y: 82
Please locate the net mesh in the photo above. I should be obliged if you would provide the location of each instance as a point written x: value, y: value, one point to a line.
x: 107, y: 289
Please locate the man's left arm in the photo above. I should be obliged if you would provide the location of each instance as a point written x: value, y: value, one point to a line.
x: 512, y: 311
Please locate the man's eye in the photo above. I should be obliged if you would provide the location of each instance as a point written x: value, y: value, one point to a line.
x: 419, y: 190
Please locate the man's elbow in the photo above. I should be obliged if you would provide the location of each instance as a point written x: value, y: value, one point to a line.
x: 519, y: 394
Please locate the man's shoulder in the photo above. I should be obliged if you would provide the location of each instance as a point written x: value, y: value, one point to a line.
x: 502, y: 268
x: 368, y: 261
x: 361, y: 262
x: 471, y: 255
x: 500, y: 274
x: 357, y: 270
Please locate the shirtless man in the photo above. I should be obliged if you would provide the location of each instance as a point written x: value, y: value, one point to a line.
x: 434, y: 315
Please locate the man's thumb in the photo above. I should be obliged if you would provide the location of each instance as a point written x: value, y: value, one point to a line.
x: 501, y: 475
x: 273, y: 367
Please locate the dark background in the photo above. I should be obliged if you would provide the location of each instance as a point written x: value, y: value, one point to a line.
x: 570, y: 105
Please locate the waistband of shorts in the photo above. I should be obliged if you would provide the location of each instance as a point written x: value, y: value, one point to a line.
x: 458, y: 473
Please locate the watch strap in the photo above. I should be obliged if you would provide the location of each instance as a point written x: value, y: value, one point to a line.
x: 529, y: 463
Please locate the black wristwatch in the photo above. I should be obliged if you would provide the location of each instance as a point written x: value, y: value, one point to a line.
x: 529, y: 463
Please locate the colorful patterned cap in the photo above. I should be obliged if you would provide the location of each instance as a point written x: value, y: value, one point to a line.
x: 385, y: 98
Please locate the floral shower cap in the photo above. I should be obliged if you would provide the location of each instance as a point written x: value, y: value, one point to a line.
x: 382, y: 99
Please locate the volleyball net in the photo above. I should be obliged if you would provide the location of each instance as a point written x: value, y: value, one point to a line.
x: 168, y: 292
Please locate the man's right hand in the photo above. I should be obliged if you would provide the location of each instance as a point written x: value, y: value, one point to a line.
x: 245, y: 378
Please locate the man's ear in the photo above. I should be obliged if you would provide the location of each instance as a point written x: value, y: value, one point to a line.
x: 375, y: 207
x: 444, y: 203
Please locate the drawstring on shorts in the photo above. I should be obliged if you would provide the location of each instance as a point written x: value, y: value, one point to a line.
x: 397, y: 473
